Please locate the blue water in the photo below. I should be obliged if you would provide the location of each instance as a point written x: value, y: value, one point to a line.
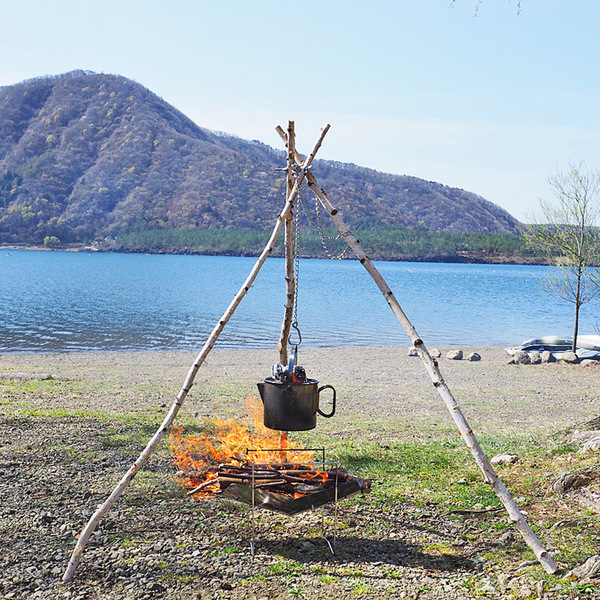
x: 65, y: 301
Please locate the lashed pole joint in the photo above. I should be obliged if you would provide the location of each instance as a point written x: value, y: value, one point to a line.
x: 432, y: 368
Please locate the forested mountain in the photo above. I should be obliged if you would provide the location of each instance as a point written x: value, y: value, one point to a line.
x: 84, y: 156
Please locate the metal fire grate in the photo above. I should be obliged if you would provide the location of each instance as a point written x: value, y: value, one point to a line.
x: 332, y: 490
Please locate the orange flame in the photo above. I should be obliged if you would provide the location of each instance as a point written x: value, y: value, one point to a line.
x: 198, y: 456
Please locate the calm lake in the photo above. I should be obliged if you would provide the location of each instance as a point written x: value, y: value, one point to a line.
x: 79, y: 301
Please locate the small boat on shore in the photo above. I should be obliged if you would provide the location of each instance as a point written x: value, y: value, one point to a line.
x: 588, y: 346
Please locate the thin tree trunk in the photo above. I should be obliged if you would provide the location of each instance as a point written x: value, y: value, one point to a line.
x: 576, y: 327
x: 170, y: 417
x: 577, y: 307
x: 432, y: 368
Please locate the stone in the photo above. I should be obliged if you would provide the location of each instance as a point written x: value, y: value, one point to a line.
x: 570, y: 357
x: 507, y: 539
x: 504, y: 581
x: 580, y: 437
x: 572, y: 480
x: 535, y: 358
x: 548, y: 357
x: 540, y: 588
x: 473, y: 357
x: 504, y: 459
x: 486, y: 588
x: 592, y: 444
x: 435, y: 353
x: 589, y: 568
x: 412, y: 352
x: 519, y: 358
x: 525, y: 592
x: 455, y: 355
x: 588, y: 362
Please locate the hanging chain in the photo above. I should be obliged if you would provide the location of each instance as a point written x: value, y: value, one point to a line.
x: 317, y: 225
x: 296, y: 254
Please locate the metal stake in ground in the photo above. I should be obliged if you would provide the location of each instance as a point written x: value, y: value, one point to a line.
x: 431, y: 365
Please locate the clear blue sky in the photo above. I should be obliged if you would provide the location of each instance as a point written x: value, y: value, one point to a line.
x: 492, y: 103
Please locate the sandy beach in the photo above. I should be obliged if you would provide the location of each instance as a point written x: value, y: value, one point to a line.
x: 380, y: 389
x: 72, y: 423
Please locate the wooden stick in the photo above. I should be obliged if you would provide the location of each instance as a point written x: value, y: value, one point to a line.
x: 290, y: 280
x: 210, y: 342
x: 431, y: 365
x: 269, y: 484
x: 290, y: 283
x: 203, y: 485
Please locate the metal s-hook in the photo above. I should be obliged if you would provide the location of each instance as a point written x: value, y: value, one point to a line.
x: 294, y: 357
x: 290, y: 342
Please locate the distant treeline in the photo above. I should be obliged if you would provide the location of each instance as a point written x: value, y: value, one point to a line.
x: 418, y: 244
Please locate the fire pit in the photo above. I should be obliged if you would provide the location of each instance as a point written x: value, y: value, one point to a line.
x: 223, y: 463
x: 289, y: 488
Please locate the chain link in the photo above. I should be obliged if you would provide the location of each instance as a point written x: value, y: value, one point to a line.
x: 317, y: 225
x: 296, y: 254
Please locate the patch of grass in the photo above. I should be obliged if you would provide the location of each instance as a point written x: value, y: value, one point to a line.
x: 420, y: 472
x: 285, y: 568
x: 352, y: 572
x: 253, y: 578
x: 225, y: 550
x: 441, y: 473
x: 360, y: 587
x: 563, y: 449
x: 32, y: 386
x: 394, y: 574
x: 439, y: 549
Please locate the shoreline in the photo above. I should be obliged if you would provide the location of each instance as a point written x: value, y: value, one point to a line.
x: 455, y: 259
x: 381, y: 382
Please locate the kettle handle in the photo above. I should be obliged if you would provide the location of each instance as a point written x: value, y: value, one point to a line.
x: 324, y: 387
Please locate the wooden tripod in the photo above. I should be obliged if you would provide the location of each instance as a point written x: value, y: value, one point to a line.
x: 284, y: 220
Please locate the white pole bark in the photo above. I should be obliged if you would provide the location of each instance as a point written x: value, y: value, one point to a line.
x: 290, y: 283
x: 431, y: 365
x: 170, y: 417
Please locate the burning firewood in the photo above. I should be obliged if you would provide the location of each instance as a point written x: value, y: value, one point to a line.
x: 220, y: 463
x: 278, y: 477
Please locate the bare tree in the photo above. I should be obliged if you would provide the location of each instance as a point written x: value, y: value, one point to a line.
x: 567, y: 231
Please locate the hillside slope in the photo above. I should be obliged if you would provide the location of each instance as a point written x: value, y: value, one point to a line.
x: 84, y: 156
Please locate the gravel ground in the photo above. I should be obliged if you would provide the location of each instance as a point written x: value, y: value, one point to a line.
x: 56, y: 466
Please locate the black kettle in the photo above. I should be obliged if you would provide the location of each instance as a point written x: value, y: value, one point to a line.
x: 292, y: 405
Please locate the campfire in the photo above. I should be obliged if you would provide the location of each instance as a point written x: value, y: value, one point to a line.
x: 256, y: 465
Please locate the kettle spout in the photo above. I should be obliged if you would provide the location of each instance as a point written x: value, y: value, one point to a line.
x: 261, y: 391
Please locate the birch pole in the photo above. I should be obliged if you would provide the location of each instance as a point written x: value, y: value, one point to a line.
x: 289, y: 242
x: 165, y: 426
x: 290, y: 281
x: 432, y: 367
